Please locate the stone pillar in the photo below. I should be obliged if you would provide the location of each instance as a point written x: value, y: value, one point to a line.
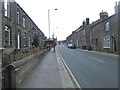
x: 9, y: 77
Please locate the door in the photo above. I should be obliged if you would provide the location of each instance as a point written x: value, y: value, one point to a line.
x: 114, y: 42
x: 18, y: 40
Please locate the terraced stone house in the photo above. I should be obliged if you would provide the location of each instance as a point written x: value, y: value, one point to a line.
x: 101, y: 35
x: 18, y: 29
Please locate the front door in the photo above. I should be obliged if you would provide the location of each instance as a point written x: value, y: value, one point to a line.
x: 114, y: 42
x: 18, y: 41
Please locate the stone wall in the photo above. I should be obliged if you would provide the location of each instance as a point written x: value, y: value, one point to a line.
x: 0, y: 24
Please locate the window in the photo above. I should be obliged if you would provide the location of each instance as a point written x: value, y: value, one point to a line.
x: 107, y: 26
x: 24, y: 39
x: 7, y: 36
x: 93, y: 30
x: 6, y: 8
x: 90, y: 38
x: 29, y: 42
x: 18, y: 40
x: 83, y: 32
x: 106, y: 43
x: 24, y: 22
x: 18, y: 17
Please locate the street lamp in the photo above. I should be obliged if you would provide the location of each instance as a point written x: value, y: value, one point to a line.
x: 53, y: 32
x: 49, y: 20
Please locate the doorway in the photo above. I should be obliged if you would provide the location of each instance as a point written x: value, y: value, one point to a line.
x: 114, y: 45
x: 18, y: 40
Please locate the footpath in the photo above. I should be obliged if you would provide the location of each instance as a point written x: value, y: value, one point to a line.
x: 49, y: 73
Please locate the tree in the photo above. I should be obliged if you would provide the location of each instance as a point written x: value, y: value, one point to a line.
x: 35, y: 42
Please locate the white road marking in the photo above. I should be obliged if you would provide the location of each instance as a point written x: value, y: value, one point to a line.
x: 96, y: 59
x: 69, y: 70
x: 45, y: 66
x: 66, y: 80
x: 82, y: 54
x: 19, y: 81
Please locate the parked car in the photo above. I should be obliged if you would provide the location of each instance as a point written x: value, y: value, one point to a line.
x: 72, y: 46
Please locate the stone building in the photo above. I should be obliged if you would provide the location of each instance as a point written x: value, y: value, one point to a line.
x: 80, y: 36
x: 101, y: 35
x: 0, y: 24
x: 104, y: 33
x: 119, y: 28
x: 0, y: 36
x: 18, y: 29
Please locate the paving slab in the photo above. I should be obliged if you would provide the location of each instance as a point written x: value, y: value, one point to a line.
x: 49, y: 73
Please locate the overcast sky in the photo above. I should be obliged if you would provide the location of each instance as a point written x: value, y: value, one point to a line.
x: 68, y: 17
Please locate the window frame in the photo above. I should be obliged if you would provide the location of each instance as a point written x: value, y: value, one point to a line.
x: 24, y: 40
x: 7, y: 29
x: 107, y: 26
x: 106, y: 41
x: 24, y: 22
x: 18, y: 16
x: 6, y: 8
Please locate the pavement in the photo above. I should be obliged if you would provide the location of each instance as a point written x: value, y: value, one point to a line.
x: 0, y: 78
x: 49, y: 73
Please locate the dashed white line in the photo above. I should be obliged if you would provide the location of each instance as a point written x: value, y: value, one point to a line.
x: 96, y: 59
x: 19, y: 81
x: 82, y: 54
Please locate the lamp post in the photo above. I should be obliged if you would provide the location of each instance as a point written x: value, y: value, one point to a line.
x: 54, y: 32
x: 49, y: 20
x: 49, y: 23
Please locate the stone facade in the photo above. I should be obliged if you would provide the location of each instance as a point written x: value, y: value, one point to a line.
x: 18, y: 28
x: 101, y: 35
x: 119, y: 28
x: 104, y: 34
x: 0, y: 24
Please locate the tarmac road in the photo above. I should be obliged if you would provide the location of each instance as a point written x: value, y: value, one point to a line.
x: 91, y: 70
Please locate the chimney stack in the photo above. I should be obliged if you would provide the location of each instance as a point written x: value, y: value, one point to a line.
x: 119, y: 6
x: 87, y: 21
x: 83, y: 23
x: 103, y: 15
x: 116, y: 7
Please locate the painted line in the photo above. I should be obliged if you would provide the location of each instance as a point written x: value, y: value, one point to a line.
x: 96, y: 59
x: 82, y: 54
x: 19, y: 81
x: 76, y: 82
x: 100, y: 53
x: 65, y: 77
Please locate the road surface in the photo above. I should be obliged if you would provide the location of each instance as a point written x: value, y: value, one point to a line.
x: 91, y: 70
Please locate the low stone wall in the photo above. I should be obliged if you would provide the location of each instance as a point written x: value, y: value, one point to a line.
x: 11, y: 57
x: 15, y: 72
